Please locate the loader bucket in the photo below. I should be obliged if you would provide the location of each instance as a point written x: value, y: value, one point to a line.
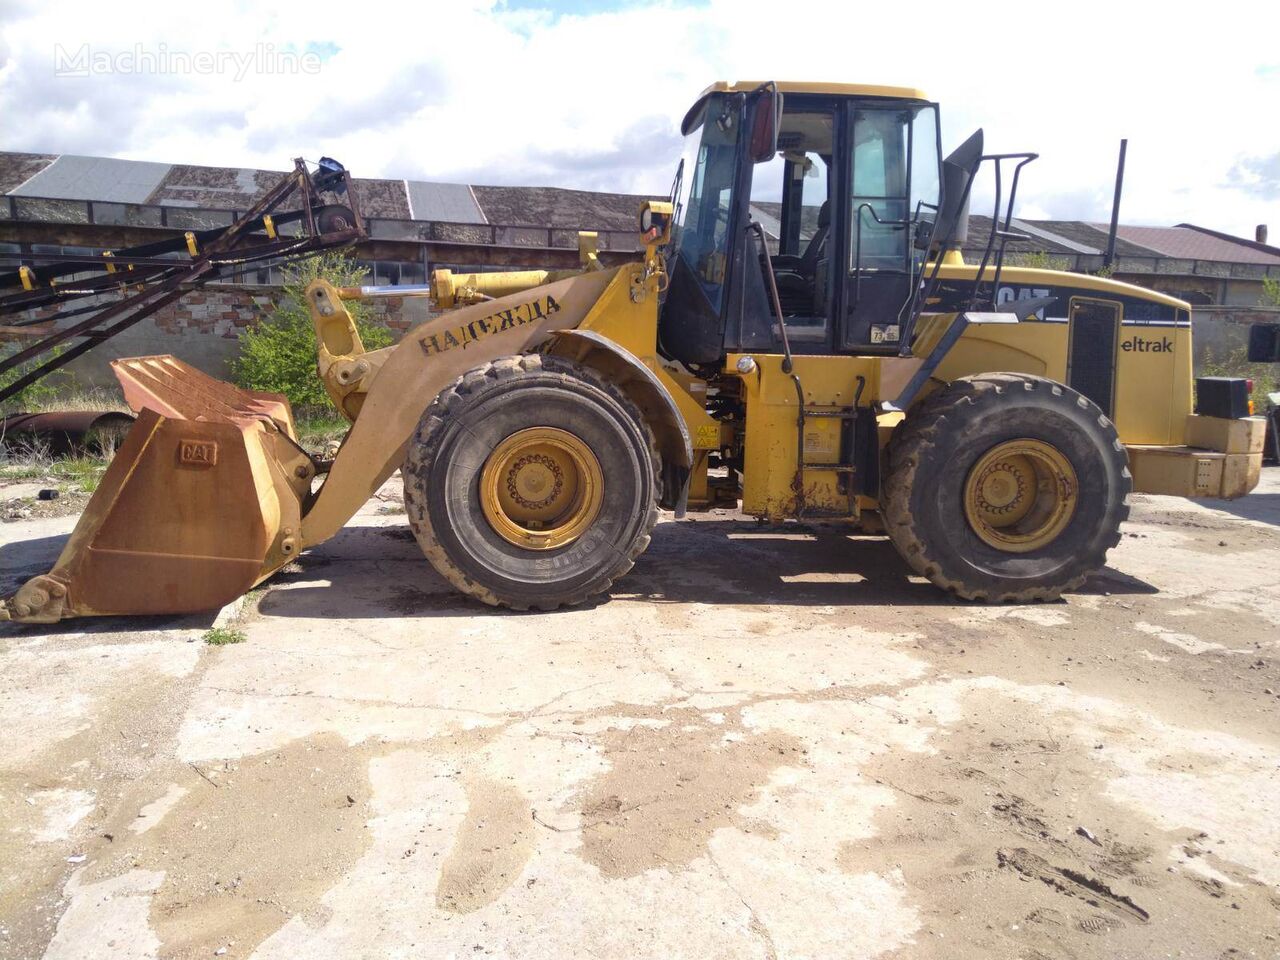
x: 201, y: 501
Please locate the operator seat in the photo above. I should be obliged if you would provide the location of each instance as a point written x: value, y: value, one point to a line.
x: 817, y: 243
x: 795, y: 275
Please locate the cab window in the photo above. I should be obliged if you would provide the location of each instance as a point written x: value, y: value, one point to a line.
x: 790, y: 199
x: 705, y: 196
x: 879, y: 196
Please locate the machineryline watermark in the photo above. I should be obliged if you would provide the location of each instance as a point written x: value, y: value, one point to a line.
x: 264, y: 58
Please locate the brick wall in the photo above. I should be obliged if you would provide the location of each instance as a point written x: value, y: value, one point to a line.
x: 224, y: 311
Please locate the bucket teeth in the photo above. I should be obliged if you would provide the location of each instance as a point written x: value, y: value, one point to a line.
x: 39, y: 600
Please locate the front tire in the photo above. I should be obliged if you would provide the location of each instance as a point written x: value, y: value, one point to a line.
x: 1006, y: 487
x: 531, y: 482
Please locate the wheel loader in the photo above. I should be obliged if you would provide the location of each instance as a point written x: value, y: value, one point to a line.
x: 800, y: 336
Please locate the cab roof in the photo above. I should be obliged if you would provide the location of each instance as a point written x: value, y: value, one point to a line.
x: 803, y: 86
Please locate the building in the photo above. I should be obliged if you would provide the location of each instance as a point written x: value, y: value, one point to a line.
x: 84, y: 205
x: 1221, y: 276
x: 76, y: 204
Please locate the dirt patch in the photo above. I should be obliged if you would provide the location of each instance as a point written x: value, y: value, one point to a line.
x: 1033, y: 853
x: 1072, y: 883
x: 68, y: 503
x: 670, y: 787
x: 1208, y: 534
x: 107, y: 762
x: 249, y: 845
x: 494, y: 843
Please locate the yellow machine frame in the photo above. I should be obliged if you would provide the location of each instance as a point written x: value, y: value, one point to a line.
x: 155, y: 537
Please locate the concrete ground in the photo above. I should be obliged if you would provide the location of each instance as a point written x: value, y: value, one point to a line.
x: 767, y: 743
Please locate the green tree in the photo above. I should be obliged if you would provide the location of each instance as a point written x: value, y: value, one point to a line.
x: 1270, y: 292
x: 279, y: 353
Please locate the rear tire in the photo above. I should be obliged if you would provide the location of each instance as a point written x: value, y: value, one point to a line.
x: 604, y: 461
x: 1055, y: 442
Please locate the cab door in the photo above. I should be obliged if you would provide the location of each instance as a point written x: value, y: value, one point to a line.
x: 893, y: 181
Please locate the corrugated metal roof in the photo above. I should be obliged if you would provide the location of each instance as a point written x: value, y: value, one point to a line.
x: 72, y: 177
x: 449, y: 202
x: 1187, y: 244
x: 1025, y: 226
x: 1091, y: 235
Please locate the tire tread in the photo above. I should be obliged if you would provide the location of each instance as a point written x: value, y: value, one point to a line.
x: 430, y: 432
x: 921, y: 429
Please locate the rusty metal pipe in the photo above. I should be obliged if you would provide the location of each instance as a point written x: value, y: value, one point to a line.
x: 67, y: 431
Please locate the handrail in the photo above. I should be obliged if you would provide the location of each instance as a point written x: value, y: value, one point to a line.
x: 927, y: 288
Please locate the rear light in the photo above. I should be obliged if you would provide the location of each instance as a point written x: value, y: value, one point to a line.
x: 1248, y: 384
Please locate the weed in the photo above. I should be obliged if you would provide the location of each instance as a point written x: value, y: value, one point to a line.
x: 221, y: 636
x: 1037, y: 260
x: 81, y: 473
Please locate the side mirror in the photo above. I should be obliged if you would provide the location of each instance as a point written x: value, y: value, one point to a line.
x: 655, y: 222
x: 764, y: 125
x: 924, y: 234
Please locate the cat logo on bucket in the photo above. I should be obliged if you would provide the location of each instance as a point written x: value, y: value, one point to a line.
x: 464, y: 334
x: 198, y: 453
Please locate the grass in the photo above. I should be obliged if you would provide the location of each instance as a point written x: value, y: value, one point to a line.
x: 221, y: 637
x: 318, y: 426
x: 80, y: 473
x: 100, y: 399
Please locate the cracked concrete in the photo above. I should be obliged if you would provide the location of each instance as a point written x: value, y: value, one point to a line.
x: 768, y: 743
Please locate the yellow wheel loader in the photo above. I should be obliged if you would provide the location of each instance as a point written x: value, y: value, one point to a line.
x: 800, y: 336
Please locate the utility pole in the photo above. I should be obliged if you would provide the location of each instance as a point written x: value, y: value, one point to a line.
x: 1110, y: 255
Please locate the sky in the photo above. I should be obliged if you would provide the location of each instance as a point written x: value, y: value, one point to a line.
x: 590, y: 95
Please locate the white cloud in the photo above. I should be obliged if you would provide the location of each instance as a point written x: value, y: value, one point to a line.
x: 478, y: 92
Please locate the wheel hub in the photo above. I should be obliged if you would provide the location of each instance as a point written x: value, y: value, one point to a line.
x: 535, y: 481
x: 541, y: 488
x: 1020, y: 495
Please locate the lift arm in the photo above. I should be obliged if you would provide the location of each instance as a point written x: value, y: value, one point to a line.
x: 146, y: 278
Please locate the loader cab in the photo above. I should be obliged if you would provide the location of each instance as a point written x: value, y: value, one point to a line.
x: 845, y: 182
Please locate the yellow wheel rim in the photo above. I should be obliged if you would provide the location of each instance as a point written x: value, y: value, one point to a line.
x: 541, y: 488
x: 1020, y: 495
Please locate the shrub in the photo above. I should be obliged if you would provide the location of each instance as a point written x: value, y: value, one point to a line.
x: 34, y: 395
x: 1270, y: 292
x: 279, y: 353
